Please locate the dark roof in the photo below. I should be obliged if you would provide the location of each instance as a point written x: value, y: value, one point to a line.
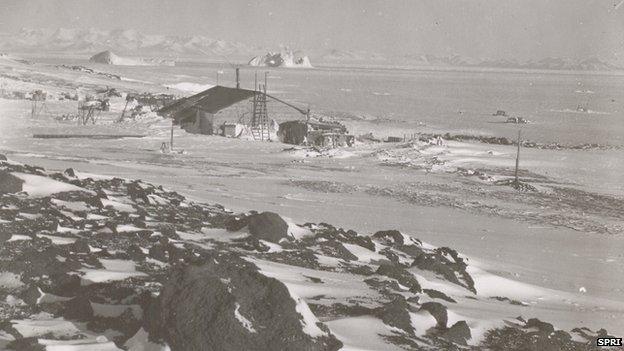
x: 210, y: 100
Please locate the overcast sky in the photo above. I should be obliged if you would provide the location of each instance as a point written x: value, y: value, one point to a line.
x: 477, y: 28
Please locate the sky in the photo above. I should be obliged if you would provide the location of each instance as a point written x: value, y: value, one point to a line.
x: 518, y: 29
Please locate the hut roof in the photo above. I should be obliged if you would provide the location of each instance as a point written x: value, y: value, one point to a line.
x: 210, y: 100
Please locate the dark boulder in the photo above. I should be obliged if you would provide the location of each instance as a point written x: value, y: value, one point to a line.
x: 236, y: 223
x: 70, y: 172
x: 396, y: 314
x: 459, y: 333
x: 3, y: 158
x: 226, y: 304
x: 81, y: 246
x: 31, y: 294
x: 9, y: 183
x: 78, y: 308
x: 390, y: 237
x: 438, y: 311
x: 543, y: 327
x: 403, y: 276
x: 137, y: 192
x: 268, y: 226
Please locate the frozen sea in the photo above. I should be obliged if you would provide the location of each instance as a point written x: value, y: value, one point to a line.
x: 430, y: 99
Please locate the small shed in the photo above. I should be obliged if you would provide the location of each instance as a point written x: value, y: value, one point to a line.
x: 326, y: 134
x: 293, y: 132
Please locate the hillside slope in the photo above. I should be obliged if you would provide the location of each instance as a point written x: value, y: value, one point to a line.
x: 110, y: 264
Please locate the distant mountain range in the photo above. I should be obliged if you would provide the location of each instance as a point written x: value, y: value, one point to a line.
x: 132, y: 42
x: 124, y: 41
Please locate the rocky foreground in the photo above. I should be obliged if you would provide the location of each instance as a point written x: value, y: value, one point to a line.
x: 114, y: 264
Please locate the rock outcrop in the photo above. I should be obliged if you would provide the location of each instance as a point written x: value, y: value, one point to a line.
x: 117, y: 264
x: 226, y: 304
x: 267, y: 226
x: 9, y: 183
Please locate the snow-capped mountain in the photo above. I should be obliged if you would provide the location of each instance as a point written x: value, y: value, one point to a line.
x: 125, y: 41
x: 132, y: 42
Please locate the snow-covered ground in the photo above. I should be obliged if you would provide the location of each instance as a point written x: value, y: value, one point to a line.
x: 559, y: 250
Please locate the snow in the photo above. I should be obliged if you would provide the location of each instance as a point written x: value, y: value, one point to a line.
x: 58, y: 240
x: 140, y: 342
x: 103, y: 344
x: 309, y: 319
x: 361, y: 334
x: 273, y: 247
x: 117, y: 205
x: 246, y: 323
x: 123, y: 228
x: 37, y: 327
x: 61, y: 229
x: 488, y: 284
x: 74, y: 206
x: 363, y: 254
x: 18, y: 237
x: 219, y: 234
x: 328, y: 261
x: 39, y: 186
x: 336, y: 286
x: 51, y: 298
x: 10, y: 280
x: 189, y: 87
x: 296, y: 231
x: 422, y: 321
x: 113, y: 270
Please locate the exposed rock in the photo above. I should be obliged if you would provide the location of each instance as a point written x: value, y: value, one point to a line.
x: 435, y: 294
x: 3, y: 158
x: 438, y: 311
x: 236, y: 223
x: 81, y: 246
x: 543, y: 327
x: 396, y: 314
x: 459, y: 333
x: 78, y: 308
x: 390, y: 237
x: 229, y: 305
x: 9, y: 183
x: 70, y: 172
x: 31, y: 294
x: 268, y: 226
x: 404, y: 277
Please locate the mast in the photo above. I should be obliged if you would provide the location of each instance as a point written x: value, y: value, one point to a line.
x: 517, y: 157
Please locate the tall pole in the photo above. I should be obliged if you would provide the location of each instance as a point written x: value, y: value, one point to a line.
x: 266, y: 113
x: 217, y: 77
x: 518, y: 156
x: 237, y: 78
x: 171, y: 143
x: 256, y: 81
